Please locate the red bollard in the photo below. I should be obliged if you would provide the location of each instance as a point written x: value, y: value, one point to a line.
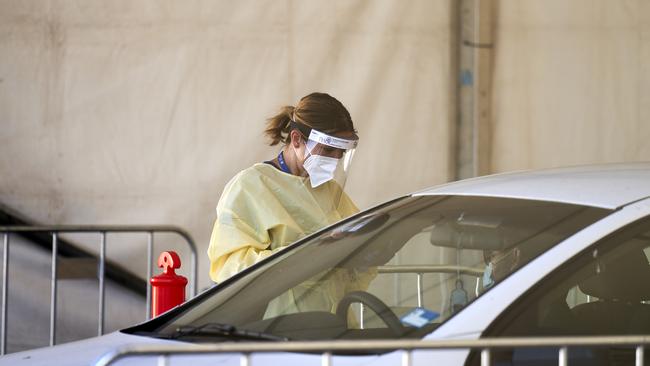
x: 168, y: 288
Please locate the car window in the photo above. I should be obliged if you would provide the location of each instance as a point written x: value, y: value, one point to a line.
x: 397, y: 271
x: 603, y: 291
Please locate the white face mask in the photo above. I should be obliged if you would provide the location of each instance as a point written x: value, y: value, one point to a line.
x: 320, y: 169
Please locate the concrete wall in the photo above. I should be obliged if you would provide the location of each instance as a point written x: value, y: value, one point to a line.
x: 139, y: 112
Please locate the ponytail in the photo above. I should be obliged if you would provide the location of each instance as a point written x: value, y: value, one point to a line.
x: 277, y: 127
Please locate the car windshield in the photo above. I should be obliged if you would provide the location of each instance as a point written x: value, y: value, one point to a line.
x: 399, y: 270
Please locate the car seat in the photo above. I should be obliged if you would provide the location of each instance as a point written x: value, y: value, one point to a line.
x: 621, y: 284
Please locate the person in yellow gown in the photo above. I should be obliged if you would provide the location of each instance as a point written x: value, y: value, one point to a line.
x: 270, y: 205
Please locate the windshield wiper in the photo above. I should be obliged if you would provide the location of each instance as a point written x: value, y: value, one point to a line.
x: 223, y: 330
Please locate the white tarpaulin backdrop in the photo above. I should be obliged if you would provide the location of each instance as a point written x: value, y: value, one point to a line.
x: 125, y: 112
x: 139, y: 112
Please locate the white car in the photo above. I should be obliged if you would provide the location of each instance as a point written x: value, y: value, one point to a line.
x: 542, y: 253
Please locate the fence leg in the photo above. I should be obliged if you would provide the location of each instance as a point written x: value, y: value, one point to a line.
x: 101, y: 274
x: 245, y: 359
x: 194, y: 278
x: 485, y: 357
x: 563, y: 357
x: 362, y: 309
x: 406, y: 357
x: 419, y: 285
x: 5, y: 283
x: 149, y: 272
x: 162, y: 360
x: 326, y: 359
x: 53, y: 292
x: 639, y: 356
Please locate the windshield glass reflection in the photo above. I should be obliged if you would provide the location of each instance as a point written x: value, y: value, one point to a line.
x: 397, y: 271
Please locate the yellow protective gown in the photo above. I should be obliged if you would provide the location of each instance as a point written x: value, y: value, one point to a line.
x: 262, y: 210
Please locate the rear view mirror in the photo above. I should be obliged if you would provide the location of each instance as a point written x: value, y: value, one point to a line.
x: 469, y: 232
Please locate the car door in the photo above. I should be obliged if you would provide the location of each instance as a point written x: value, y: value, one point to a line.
x: 604, y: 290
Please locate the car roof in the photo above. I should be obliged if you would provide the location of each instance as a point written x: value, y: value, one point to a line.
x: 607, y: 186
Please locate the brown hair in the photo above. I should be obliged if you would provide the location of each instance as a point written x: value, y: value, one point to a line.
x: 319, y: 111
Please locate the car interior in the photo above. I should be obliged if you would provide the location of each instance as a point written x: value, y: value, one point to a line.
x: 604, y: 291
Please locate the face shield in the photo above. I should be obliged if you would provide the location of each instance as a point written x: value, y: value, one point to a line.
x: 328, y: 158
x: 327, y: 161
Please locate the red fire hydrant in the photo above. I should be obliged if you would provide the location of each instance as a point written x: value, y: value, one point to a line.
x: 168, y: 288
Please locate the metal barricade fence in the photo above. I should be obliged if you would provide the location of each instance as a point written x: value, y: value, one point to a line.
x: 419, y: 271
x: 102, y: 231
x: 326, y: 348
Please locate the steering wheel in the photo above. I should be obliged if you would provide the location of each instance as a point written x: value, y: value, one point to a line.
x: 382, y: 310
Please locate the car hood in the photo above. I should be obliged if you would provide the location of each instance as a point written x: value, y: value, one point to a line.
x: 85, y: 352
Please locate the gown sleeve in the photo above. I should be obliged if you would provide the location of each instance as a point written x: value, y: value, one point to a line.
x: 240, y: 236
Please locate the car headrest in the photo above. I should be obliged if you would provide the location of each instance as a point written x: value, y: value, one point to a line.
x: 624, y: 278
x: 469, y: 233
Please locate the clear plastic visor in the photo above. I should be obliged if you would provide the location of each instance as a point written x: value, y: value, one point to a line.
x: 333, y: 147
x: 327, y: 160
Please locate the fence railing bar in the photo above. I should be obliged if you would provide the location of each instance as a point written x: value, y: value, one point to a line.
x: 53, y: 290
x: 5, y: 292
x: 101, y: 276
x: 430, y: 269
x: 149, y: 271
x: 120, y: 229
x: 370, y: 345
x: 639, y: 356
x: 486, y: 357
x: 95, y: 229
